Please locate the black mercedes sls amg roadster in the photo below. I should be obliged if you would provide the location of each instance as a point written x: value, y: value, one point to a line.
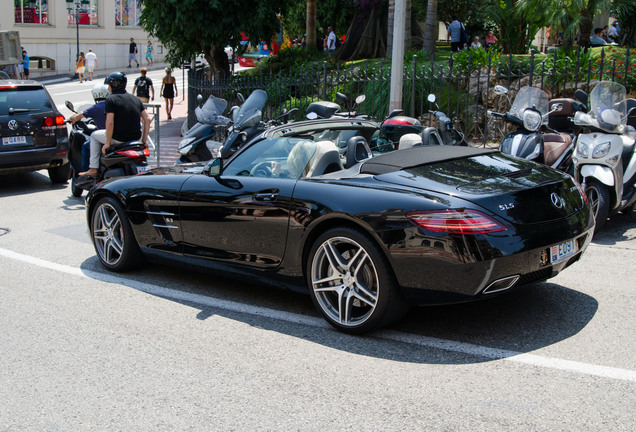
x: 366, y: 235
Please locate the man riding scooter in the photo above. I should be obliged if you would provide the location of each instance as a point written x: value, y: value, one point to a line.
x: 95, y: 112
x: 124, y: 112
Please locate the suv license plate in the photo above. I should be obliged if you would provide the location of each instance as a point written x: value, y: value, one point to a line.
x: 563, y: 251
x: 141, y: 169
x: 14, y: 140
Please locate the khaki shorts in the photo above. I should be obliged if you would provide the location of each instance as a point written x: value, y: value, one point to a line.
x: 90, y: 68
x: 143, y: 99
x: 81, y: 69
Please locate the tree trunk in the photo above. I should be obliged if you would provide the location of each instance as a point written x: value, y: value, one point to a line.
x: 366, y: 38
x: 587, y: 24
x: 431, y: 24
x: 217, y: 59
x: 310, y: 28
x: 389, y: 32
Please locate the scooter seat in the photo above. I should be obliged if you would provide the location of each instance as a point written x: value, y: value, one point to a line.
x: 554, y: 145
x: 125, y: 146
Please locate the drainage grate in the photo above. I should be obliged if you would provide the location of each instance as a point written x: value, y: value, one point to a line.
x: 4, y: 231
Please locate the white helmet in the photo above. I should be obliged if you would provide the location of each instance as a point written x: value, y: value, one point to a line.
x: 100, y: 91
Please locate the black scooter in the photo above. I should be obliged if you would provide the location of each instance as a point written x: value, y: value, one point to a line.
x: 122, y: 160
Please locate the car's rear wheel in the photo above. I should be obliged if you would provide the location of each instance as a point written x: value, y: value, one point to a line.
x: 351, y: 282
x: 60, y: 174
x: 112, y: 235
x: 598, y: 195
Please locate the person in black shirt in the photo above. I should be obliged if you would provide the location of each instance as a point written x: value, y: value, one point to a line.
x: 124, y: 115
x: 132, y: 52
x: 143, y: 86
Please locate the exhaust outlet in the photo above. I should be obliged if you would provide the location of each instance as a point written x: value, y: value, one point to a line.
x: 501, y: 284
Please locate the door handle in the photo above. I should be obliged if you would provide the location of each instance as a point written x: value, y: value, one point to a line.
x: 265, y: 196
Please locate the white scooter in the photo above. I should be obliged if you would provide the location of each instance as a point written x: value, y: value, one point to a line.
x: 605, y: 158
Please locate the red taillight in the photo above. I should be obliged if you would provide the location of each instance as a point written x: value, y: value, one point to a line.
x: 461, y: 221
x: 8, y: 87
x: 49, y: 121
x: 397, y: 122
x: 146, y: 152
x: 132, y: 153
x: 59, y: 120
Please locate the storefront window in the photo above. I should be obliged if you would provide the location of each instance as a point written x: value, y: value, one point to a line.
x: 31, y: 11
x: 85, y: 10
x: 127, y: 13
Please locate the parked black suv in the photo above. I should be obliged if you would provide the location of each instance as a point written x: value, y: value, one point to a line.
x: 32, y: 131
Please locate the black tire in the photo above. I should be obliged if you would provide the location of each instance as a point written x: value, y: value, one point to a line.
x: 353, y: 300
x: 598, y: 195
x: 60, y: 174
x: 113, y: 238
x: 76, y: 191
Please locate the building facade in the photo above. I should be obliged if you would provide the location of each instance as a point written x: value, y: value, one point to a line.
x: 49, y: 32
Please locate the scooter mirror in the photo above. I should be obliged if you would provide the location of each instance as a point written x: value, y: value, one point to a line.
x: 199, y: 99
x: 69, y: 105
x: 431, y: 98
x: 581, y: 96
x: 360, y: 99
x: 240, y: 98
x: 500, y: 90
x: 312, y: 116
x: 342, y: 99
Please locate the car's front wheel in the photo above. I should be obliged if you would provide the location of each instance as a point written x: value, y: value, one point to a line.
x: 112, y: 235
x: 60, y: 174
x: 351, y: 282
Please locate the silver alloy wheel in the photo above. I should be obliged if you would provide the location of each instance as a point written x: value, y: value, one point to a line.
x: 345, y: 281
x: 108, y: 234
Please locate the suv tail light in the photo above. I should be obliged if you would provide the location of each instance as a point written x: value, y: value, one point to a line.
x: 57, y: 121
x: 460, y: 221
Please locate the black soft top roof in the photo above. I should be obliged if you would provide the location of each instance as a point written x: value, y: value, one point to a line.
x: 416, y: 156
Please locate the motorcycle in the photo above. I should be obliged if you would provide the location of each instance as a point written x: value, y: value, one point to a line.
x: 122, y: 160
x: 605, y: 156
x: 325, y: 109
x: 534, y: 139
x: 198, y: 143
x: 445, y: 126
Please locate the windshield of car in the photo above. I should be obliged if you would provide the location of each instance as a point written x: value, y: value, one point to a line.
x: 530, y: 98
x: 608, y: 106
x: 273, y: 157
x: 24, y: 100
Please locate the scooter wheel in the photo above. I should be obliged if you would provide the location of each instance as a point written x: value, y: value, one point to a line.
x: 598, y: 196
x: 75, y: 190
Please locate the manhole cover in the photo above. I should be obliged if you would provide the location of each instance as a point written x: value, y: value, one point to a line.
x: 4, y: 231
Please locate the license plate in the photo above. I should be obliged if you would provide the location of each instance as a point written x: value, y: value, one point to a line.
x: 563, y: 251
x: 141, y: 169
x: 14, y: 140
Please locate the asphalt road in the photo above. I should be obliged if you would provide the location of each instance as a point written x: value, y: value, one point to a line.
x: 82, y: 349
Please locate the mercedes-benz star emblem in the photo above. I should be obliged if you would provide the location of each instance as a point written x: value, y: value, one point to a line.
x: 13, y: 125
x: 557, y: 200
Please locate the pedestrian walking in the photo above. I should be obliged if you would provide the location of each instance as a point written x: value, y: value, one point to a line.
x: 91, y: 63
x: 81, y: 66
x: 331, y: 41
x: 149, y: 54
x: 25, y: 64
x: 169, y: 91
x: 132, y: 53
x: 143, y: 87
x: 457, y: 34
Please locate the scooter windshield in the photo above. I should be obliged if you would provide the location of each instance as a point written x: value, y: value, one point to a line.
x: 608, y: 106
x: 530, y: 98
x: 255, y: 102
x: 210, y: 112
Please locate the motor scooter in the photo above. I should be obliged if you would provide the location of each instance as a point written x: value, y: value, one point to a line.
x: 203, y: 140
x: 445, y: 126
x: 605, y: 156
x: 326, y: 109
x: 534, y: 139
x: 122, y: 160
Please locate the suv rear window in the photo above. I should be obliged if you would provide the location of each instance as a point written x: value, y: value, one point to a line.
x: 33, y: 99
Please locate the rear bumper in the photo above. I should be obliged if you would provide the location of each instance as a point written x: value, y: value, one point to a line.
x: 33, y: 159
x: 465, y: 268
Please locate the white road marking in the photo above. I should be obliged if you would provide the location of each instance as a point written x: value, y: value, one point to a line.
x: 425, y: 341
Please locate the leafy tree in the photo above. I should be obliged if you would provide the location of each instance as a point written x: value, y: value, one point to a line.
x: 190, y: 27
x: 625, y: 12
x: 517, y: 26
x: 335, y: 13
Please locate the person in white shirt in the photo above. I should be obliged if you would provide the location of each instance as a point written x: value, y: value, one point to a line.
x: 331, y: 41
x: 91, y: 63
x: 475, y: 44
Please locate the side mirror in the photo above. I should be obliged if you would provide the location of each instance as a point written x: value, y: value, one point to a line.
x: 581, y: 96
x: 431, y: 98
x: 213, y: 168
x: 360, y: 99
x: 199, y: 99
x: 240, y: 97
x: 342, y: 99
x: 69, y: 105
x: 500, y: 90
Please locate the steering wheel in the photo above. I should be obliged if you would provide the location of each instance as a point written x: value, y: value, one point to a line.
x: 265, y: 169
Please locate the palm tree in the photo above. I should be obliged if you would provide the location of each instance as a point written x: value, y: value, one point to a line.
x: 431, y: 24
x: 310, y: 29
